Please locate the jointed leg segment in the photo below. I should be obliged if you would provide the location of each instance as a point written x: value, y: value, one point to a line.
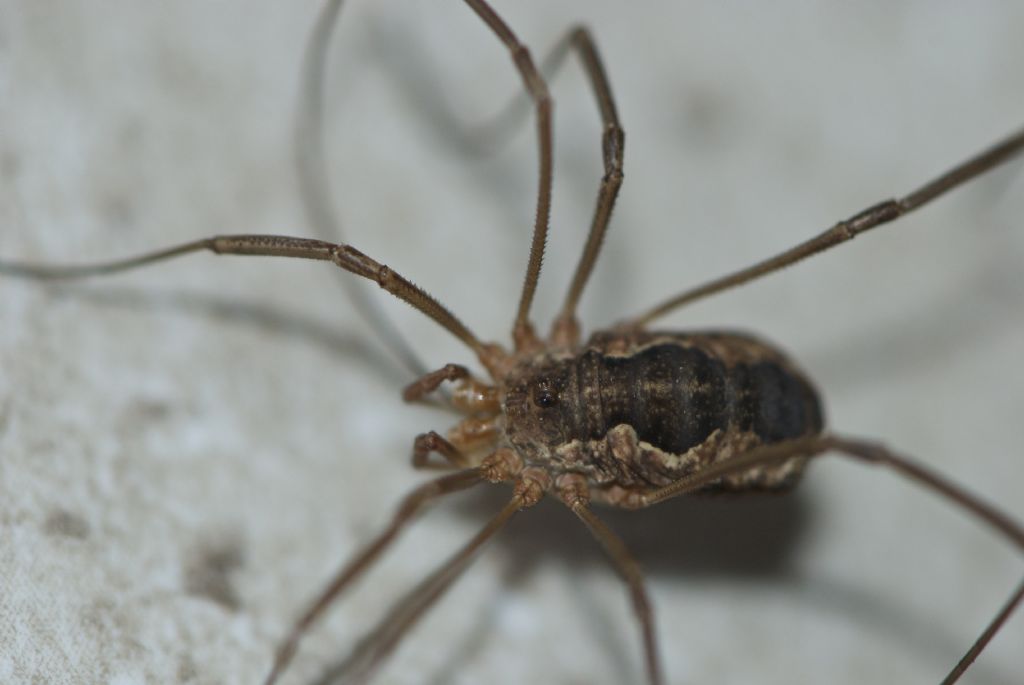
x: 422, y: 387
x: 871, y: 453
x: 344, y: 256
x: 566, y: 328
x: 876, y: 215
x: 407, y: 511
x: 405, y: 613
x: 575, y: 494
x: 522, y: 332
x: 432, y: 443
x: 527, y: 491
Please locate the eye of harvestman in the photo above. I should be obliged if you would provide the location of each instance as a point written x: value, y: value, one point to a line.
x: 545, y: 397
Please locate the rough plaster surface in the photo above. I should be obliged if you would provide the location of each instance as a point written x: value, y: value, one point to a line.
x: 187, y: 452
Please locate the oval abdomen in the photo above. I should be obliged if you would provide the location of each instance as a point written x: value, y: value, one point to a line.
x: 676, y: 392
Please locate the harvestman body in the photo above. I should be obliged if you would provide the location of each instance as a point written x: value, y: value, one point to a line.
x: 629, y: 417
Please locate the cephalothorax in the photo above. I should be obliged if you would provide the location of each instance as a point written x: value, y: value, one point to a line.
x: 628, y: 418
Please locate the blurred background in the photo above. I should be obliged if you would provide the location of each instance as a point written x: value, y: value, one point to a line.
x: 190, y: 451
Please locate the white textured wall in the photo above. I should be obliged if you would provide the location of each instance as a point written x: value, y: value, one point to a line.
x: 225, y: 413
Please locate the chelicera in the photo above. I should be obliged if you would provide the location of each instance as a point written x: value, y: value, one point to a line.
x: 628, y: 417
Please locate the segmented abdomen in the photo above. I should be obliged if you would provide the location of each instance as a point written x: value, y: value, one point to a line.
x: 676, y: 394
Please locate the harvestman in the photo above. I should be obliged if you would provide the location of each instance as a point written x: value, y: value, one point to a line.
x: 629, y: 418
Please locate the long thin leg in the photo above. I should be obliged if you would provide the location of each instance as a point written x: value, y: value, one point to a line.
x: 576, y: 498
x: 492, y: 133
x: 343, y: 256
x: 873, y: 454
x: 986, y: 636
x: 314, y: 179
x: 566, y: 328
x: 566, y: 331
x: 860, y: 449
x: 613, y: 139
x: 876, y: 215
x: 381, y: 642
x: 406, y: 512
x: 522, y: 332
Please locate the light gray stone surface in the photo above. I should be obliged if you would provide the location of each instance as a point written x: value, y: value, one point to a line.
x: 187, y: 452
